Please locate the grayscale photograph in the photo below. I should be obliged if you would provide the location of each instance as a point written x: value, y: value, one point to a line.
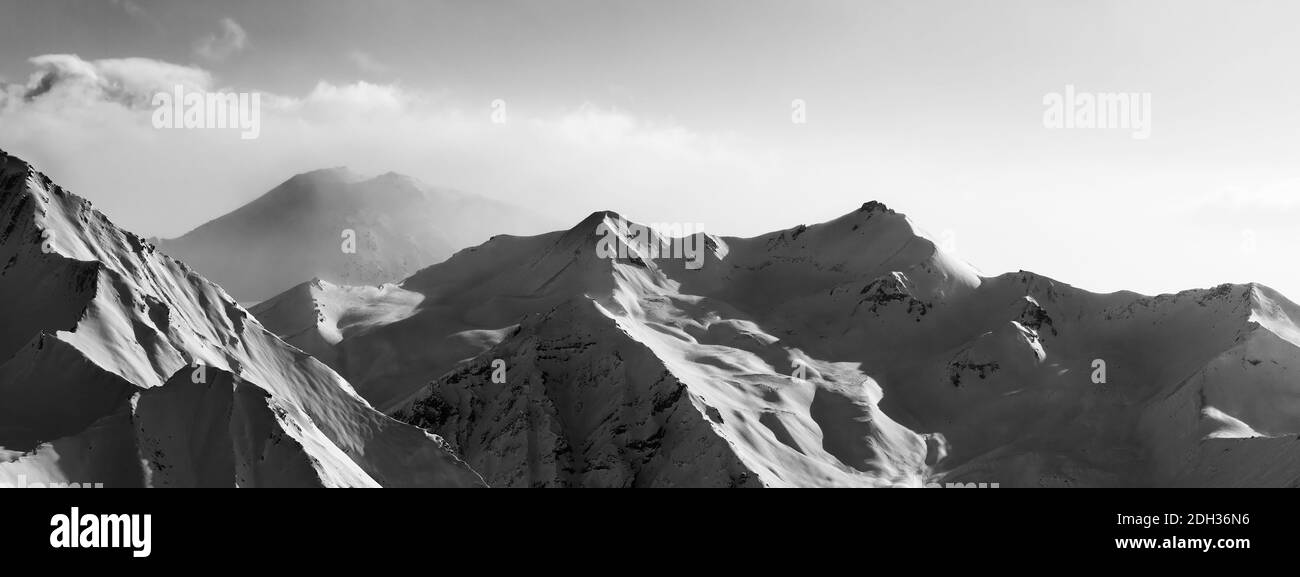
x: 643, y: 244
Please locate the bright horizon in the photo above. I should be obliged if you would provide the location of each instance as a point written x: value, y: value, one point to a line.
x: 683, y: 112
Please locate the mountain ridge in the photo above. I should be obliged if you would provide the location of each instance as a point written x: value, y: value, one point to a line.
x: 145, y: 340
x: 909, y: 359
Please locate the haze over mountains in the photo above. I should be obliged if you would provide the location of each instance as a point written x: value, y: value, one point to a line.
x: 341, y: 226
x: 122, y: 366
x: 915, y: 369
x: 853, y: 352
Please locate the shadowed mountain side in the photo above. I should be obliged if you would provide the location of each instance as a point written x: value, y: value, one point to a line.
x: 128, y: 368
x: 851, y: 352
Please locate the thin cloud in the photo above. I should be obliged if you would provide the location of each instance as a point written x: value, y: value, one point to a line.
x: 217, y: 47
x: 131, y: 8
x: 130, y: 82
x: 137, y: 12
x: 89, y: 121
x: 366, y: 63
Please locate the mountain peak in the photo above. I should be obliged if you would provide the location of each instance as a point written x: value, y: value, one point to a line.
x: 344, y: 227
x: 10, y: 163
x: 873, y: 206
x: 596, y: 224
x: 595, y: 218
x: 113, y: 333
x: 393, y: 175
x: 341, y: 174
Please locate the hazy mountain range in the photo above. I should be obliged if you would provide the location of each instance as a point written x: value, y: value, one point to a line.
x: 641, y: 371
x: 341, y: 226
x: 848, y: 353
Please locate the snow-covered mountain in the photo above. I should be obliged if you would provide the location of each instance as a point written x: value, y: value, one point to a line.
x: 121, y: 366
x: 849, y: 353
x: 338, y: 225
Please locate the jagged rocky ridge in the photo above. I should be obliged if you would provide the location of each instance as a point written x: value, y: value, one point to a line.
x: 916, y: 369
x: 121, y: 366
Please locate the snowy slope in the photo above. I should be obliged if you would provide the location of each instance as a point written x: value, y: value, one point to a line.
x: 394, y: 226
x: 916, y: 369
x: 119, y: 365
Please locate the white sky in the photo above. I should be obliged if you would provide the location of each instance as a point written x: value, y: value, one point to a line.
x: 681, y: 111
